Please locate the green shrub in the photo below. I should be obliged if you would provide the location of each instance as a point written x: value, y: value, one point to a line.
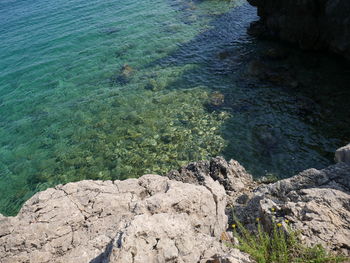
x: 280, y: 246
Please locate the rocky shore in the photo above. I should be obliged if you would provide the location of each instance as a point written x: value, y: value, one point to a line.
x: 181, y: 217
x: 310, y: 24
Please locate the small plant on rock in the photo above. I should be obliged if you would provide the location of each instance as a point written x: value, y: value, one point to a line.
x: 279, y: 245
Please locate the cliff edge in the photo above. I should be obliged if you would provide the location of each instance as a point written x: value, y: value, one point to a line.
x: 181, y: 217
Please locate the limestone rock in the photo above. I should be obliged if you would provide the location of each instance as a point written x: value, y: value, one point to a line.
x: 157, y: 219
x: 317, y: 202
x: 343, y: 154
x: 168, y: 238
x: 150, y: 219
x: 231, y: 175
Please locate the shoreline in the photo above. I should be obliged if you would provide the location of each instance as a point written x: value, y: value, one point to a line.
x: 180, y: 217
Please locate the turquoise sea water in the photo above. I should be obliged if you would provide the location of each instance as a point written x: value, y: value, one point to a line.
x: 107, y: 89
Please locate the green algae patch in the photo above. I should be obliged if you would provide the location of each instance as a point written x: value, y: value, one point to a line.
x: 122, y: 136
x: 151, y: 135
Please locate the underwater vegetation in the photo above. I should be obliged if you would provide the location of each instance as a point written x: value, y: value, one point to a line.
x: 119, y: 135
x: 88, y: 102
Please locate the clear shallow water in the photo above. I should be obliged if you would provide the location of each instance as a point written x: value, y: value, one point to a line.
x: 115, y: 89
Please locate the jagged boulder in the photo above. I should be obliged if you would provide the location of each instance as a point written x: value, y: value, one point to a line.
x: 343, y: 154
x: 150, y: 219
x: 231, y: 175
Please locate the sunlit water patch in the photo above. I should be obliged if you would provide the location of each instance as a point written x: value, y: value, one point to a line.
x: 115, y: 89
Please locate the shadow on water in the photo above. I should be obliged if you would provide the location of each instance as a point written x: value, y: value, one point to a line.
x: 289, y: 109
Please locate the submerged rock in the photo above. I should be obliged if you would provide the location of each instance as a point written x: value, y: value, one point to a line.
x: 276, y: 75
x: 267, y: 138
x: 124, y: 76
x: 154, y: 85
x: 257, y: 69
x: 224, y: 55
x: 127, y: 71
x: 110, y: 30
x: 275, y: 54
x: 216, y: 99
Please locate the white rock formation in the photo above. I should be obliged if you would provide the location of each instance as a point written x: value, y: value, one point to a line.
x: 343, y: 154
x: 179, y: 218
x: 150, y: 219
x: 315, y: 202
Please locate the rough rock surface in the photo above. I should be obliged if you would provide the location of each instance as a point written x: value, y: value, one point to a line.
x: 231, y: 175
x: 311, y: 24
x: 317, y: 202
x: 182, y: 219
x: 343, y: 154
x: 152, y: 219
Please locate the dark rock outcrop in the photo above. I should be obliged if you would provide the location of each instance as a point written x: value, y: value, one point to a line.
x: 311, y: 24
x: 233, y: 176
